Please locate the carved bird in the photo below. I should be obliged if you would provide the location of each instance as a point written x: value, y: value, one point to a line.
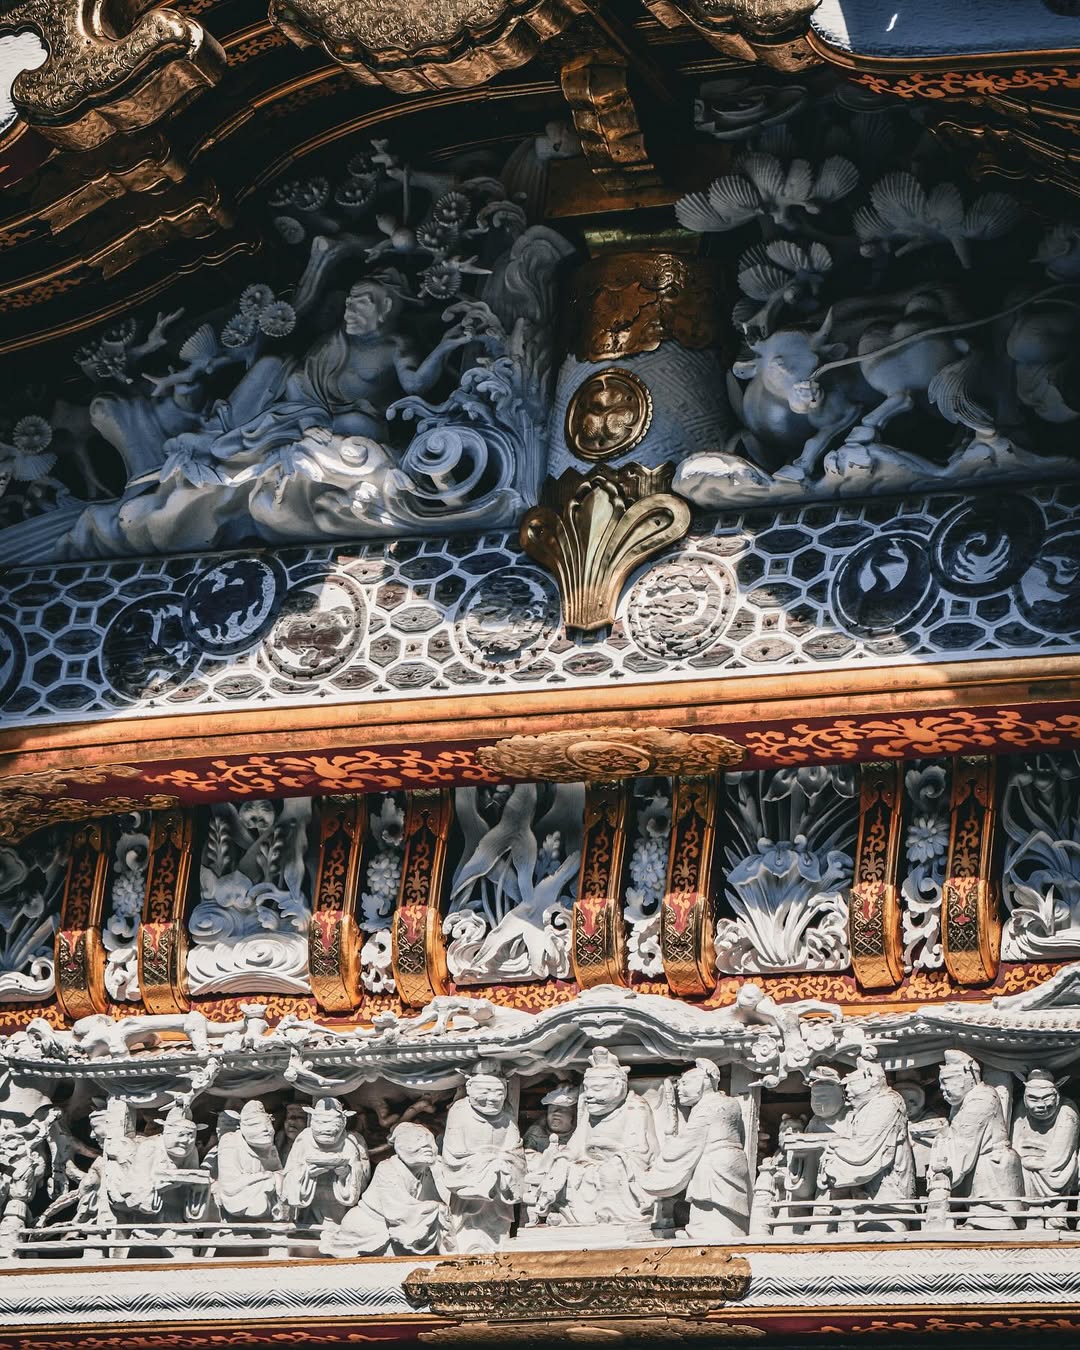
x: 902, y: 215
x: 764, y: 186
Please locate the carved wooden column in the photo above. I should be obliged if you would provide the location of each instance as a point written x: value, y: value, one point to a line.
x: 598, y: 929
x: 163, y: 931
x: 970, y: 914
x: 419, y: 952
x: 686, y: 911
x: 78, y: 949
x: 333, y: 937
x: 874, y: 929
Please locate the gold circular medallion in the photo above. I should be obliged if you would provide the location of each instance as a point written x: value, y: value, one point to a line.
x: 609, y: 413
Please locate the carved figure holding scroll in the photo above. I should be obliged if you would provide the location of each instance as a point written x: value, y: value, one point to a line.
x: 483, y: 1164
x: 972, y: 1157
x: 546, y: 1143
x: 327, y: 1167
x: 1045, y: 1134
x: 248, y: 1165
x: 705, y: 1158
x: 402, y: 1210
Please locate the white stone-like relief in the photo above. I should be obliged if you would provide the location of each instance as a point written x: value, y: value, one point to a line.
x: 788, y: 860
x: 126, y: 890
x: 379, y: 891
x: 513, y: 889
x: 1040, y: 816
x: 926, y: 848
x: 31, y: 882
x: 647, y: 875
x: 1045, y: 1134
x: 249, y: 929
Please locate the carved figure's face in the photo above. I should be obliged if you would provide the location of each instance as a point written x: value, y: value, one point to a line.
x: 257, y: 1129
x: 560, y: 1119
x: 826, y: 1099
x: 860, y: 1084
x: 748, y: 997
x: 691, y: 1087
x: 955, y: 1082
x: 1042, y: 1100
x: 178, y: 1138
x: 487, y: 1095
x: 256, y: 816
x: 602, y: 1090
x: 366, y: 309
x: 416, y: 1149
x: 295, y: 1121
x: 328, y: 1129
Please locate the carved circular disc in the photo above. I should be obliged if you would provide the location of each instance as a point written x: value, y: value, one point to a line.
x: 609, y: 414
x: 884, y: 585
x: 679, y: 607
x: 231, y: 605
x: 1048, y: 593
x: 507, y: 618
x: 318, y: 629
x: 146, y: 652
x: 12, y: 659
x: 981, y: 548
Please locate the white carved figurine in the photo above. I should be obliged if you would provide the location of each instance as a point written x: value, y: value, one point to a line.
x: 171, y: 1186
x: 483, y: 1164
x: 872, y: 1159
x: 546, y: 1142
x: 327, y: 1167
x: 1045, y: 1134
x: 293, y: 1124
x: 402, y: 1210
x: 829, y: 1117
x: 972, y: 1158
x: 923, y: 1127
x: 705, y: 1158
x: 248, y: 1165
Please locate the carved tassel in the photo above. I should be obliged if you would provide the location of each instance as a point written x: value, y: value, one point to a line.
x: 686, y: 911
x: 598, y: 929
x: 970, y: 914
x: 163, y: 931
x: 874, y: 930
x: 333, y: 937
x: 419, y: 952
x: 79, y: 952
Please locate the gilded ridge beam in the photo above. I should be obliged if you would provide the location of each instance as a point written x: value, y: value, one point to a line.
x: 79, y: 953
x: 333, y: 937
x: 598, y: 929
x: 970, y: 912
x: 874, y: 927
x: 686, y: 911
x: 418, y: 949
x: 163, y: 932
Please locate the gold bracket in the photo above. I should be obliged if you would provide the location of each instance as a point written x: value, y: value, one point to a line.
x: 598, y: 929
x: 79, y: 952
x: 419, y: 952
x: 874, y: 935
x: 595, y: 86
x: 970, y: 914
x: 686, y: 917
x: 333, y: 937
x: 163, y: 931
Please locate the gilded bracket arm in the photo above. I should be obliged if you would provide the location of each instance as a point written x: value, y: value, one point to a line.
x: 686, y: 911
x: 333, y: 938
x: 79, y: 953
x: 970, y: 912
x: 874, y: 935
x: 598, y: 930
x: 418, y: 949
x: 163, y: 932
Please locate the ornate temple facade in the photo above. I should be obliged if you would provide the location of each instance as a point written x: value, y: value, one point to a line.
x: 539, y: 671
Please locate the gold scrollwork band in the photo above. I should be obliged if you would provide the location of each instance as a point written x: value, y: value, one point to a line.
x: 79, y: 953
x: 686, y: 911
x: 598, y: 929
x: 333, y: 937
x: 418, y: 948
x: 163, y: 933
x: 877, y: 956
x: 970, y: 918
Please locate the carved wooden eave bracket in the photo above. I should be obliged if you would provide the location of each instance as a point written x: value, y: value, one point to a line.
x: 773, y: 32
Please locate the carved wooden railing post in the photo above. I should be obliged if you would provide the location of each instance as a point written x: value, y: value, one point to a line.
x: 79, y: 952
x: 970, y: 914
x: 419, y: 952
x: 333, y: 937
x: 874, y: 929
x: 163, y: 931
x: 598, y: 929
x: 686, y: 911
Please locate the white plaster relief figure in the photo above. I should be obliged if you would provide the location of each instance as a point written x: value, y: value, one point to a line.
x: 872, y: 1159
x: 483, y: 1165
x: 31, y: 881
x: 705, y: 1159
x: 1040, y: 814
x: 401, y: 1211
x: 972, y: 1158
x: 171, y: 1186
x: 829, y: 1117
x: 327, y: 1167
x: 546, y: 1144
x: 923, y: 1127
x: 248, y: 1165
x: 512, y: 893
x: 1045, y: 1135
x: 249, y: 930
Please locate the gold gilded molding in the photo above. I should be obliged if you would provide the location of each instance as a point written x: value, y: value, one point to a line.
x: 608, y: 753
x: 333, y: 936
x: 594, y: 84
x: 162, y: 938
x: 593, y: 530
x: 415, y: 46
x: 774, y: 32
x: 627, y: 302
x: 874, y: 931
x: 610, y: 413
x: 79, y: 953
x: 98, y: 80
x: 418, y: 948
x: 970, y: 911
x: 597, y: 927
x: 686, y: 910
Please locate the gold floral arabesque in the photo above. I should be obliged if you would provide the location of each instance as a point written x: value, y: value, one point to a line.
x: 970, y: 913
x: 417, y: 944
x: 609, y: 414
x: 603, y: 753
x: 877, y: 955
x: 78, y: 950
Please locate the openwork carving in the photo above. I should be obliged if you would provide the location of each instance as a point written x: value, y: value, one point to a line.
x: 32, y: 884
x: 874, y: 935
x: 926, y: 846
x: 598, y: 931
x: 687, y: 932
x: 1040, y: 807
x: 608, y: 753
x: 970, y: 921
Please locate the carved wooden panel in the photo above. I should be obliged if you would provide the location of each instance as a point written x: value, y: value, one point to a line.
x: 598, y: 929
x: 874, y: 929
x: 686, y: 917
x: 333, y: 938
x: 970, y: 912
x: 419, y: 953
x: 163, y: 931
x: 79, y: 953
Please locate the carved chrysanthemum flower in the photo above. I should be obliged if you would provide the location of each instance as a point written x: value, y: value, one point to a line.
x: 32, y: 434
x: 277, y: 319
x: 254, y: 299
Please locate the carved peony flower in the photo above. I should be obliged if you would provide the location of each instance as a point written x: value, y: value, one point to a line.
x: 388, y: 827
x: 453, y: 208
x: 376, y: 969
x: 285, y: 193
x: 254, y: 299
x: 311, y: 195
x: 277, y: 319
x: 357, y: 193
x: 442, y: 280
x: 927, y: 839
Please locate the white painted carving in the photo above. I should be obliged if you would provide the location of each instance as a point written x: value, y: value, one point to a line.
x: 31, y: 880
x: 126, y: 892
x: 379, y: 894
x: 648, y: 876
x: 1040, y: 814
x: 926, y: 847
x: 1045, y: 1135
x: 483, y: 1165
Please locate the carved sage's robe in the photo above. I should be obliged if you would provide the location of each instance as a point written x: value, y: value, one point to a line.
x: 399, y: 1212
x: 317, y: 1192
x: 607, y: 1159
x: 707, y: 1160
x: 247, y: 1182
x: 483, y: 1171
x: 1047, y: 1151
x: 983, y: 1165
x: 873, y: 1157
